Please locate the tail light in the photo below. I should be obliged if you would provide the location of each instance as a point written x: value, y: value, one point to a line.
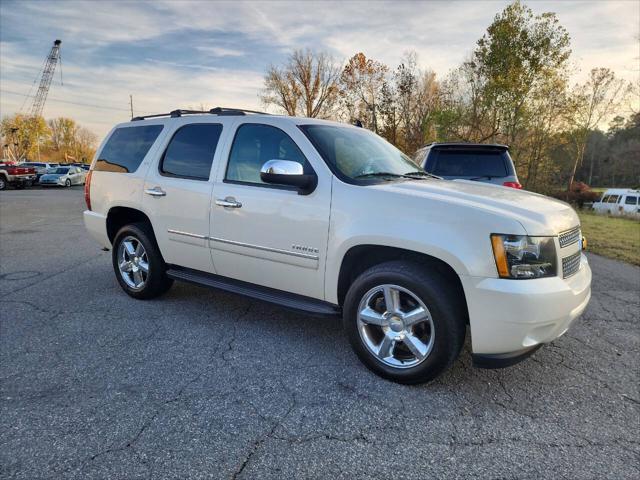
x: 512, y: 185
x: 87, y: 190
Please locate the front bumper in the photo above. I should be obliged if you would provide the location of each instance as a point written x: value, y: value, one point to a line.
x: 510, y: 317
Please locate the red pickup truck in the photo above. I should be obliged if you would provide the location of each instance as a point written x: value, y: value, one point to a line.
x: 16, y: 176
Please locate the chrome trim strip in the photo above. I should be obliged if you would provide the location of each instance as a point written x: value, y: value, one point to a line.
x: 266, y: 249
x: 187, y: 234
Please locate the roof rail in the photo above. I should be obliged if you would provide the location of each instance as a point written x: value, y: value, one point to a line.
x: 233, y: 111
x: 213, y: 111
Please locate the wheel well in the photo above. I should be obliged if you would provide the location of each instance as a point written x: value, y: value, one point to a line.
x: 118, y: 217
x: 360, y: 258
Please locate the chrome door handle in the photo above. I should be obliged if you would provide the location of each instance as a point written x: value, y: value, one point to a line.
x: 228, y: 202
x: 155, y: 192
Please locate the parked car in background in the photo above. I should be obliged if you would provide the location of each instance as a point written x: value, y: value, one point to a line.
x: 18, y: 176
x: 619, y: 201
x: 41, y: 167
x: 469, y: 161
x: 64, y: 177
x: 330, y: 218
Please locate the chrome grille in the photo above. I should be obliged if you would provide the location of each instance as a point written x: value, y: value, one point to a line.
x: 570, y: 264
x: 570, y: 237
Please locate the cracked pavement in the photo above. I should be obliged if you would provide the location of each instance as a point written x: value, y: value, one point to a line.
x: 204, y: 384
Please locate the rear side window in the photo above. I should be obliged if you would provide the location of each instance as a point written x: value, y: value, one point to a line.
x: 631, y: 200
x: 191, y: 150
x: 465, y: 163
x: 256, y: 144
x: 126, y: 148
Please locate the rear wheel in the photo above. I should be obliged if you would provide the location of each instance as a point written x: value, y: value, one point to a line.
x: 138, y: 264
x: 404, y: 322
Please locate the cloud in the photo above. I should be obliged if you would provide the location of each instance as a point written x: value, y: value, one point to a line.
x: 172, y: 54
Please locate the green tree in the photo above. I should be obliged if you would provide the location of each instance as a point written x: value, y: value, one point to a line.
x: 513, y: 59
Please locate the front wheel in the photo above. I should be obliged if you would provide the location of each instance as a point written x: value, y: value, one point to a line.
x: 138, y: 264
x: 3, y: 183
x: 404, y: 322
x: 67, y: 183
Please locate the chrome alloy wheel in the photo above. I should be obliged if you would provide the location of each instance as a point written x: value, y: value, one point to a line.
x: 133, y: 262
x: 395, y: 326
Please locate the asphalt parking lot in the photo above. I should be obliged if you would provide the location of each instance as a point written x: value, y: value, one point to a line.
x: 204, y: 384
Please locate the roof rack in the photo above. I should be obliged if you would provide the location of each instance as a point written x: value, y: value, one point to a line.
x: 213, y: 111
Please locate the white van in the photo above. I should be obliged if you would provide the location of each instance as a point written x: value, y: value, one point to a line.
x: 619, y: 201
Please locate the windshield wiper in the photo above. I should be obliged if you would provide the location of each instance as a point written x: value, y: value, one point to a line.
x: 379, y: 174
x: 423, y: 174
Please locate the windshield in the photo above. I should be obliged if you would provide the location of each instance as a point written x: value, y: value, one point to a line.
x: 61, y: 171
x: 358, y: 154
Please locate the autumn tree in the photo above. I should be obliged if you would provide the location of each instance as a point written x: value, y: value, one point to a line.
x: 594, y: 102
x: 70, y: 140
x: 418, y: 99
x: 22, y: 136
x: 361, y: 88
x: 306, y: 85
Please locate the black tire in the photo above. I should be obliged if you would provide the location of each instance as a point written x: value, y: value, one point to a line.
x: 3, y: 183
x: 432, y: 289
x: 67, y: 183
x: 156, y: 282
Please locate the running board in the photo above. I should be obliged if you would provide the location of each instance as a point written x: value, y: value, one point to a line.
x: 270, y: 295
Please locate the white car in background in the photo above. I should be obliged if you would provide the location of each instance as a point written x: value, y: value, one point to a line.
x: 64, y: 177
x: 619, y: 201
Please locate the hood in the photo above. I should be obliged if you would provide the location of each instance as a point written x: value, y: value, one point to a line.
x: 53, y: 176
x: 538, y: 214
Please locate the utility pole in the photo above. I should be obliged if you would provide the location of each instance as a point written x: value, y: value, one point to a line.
x: 131, y: 104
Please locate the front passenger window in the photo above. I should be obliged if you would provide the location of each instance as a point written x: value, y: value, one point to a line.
x: 256, y: 144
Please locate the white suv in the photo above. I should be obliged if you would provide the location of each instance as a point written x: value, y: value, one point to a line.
x: 328, y: 218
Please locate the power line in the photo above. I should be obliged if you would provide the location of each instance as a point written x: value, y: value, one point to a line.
x: 105, y: 107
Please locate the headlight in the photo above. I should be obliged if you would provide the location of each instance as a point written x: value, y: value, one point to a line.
x: 522, y: 257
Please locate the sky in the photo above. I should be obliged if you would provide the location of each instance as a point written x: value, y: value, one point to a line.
x: 183, y: 54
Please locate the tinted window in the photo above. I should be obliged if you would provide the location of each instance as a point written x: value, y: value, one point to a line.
x: 61, y: 171
x: 191, y: 150
x: 126, y: 148
x: 256, y: 144
x: 605, y: 199
x: 464, y: 163
x: 613, y: 199
x: 631, y: 201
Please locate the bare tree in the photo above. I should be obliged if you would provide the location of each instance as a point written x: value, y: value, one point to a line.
x: 594, y: 102
x: 307, y: 85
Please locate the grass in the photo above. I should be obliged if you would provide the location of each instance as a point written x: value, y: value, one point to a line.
x: 612, y: 237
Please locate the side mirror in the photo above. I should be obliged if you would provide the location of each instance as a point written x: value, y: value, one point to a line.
x: 286, y: 172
